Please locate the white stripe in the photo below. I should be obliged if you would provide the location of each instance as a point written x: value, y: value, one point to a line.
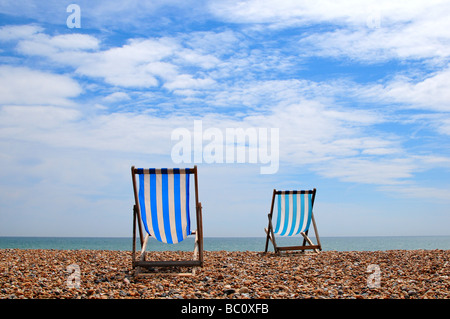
x: 183, y: 201
x: 159, y: 207
x: 173, y: 228
x: 147, y: 201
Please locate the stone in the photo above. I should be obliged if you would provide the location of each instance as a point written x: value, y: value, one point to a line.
x: 244, y: 290
x: 329, y: 275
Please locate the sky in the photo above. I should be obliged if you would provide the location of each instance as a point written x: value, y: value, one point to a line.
x: 349, y: 97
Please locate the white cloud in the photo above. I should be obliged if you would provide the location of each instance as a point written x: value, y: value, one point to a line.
x: 444, y: 125
x: 127, y: 66
x: 338, y: 143
x: 351, y: 12
x: 15, y: 32
x: 384, y: 43
x: 414, y: 191
x: 140, y: 63
x: 364, y: 30
x: 217, y: 43
x: 188, y: 56
x: 42, y: 44
x: 432, y: 92
x: 146, y: 63
x: 313, y: 132
x: 310, y: 134
x: 195, y: 69
x: 369, y: 170
x: 34, y: 118
x: 186, y: 81
x: 117, y: 96
x: 21, y: 85
x: 69, y: 128
x: 64, y: 48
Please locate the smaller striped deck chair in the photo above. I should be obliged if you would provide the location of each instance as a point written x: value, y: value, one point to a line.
x: 294, y: 217
x: 162, y: 211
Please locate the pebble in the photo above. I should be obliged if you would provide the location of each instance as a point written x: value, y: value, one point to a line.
x: 403, y: 274
x: 244, y: 290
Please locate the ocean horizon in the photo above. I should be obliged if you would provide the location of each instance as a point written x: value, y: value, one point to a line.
x: 353, y: 243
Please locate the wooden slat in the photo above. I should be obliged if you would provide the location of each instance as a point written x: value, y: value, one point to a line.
x: 299, y: 247
x: 168, y: 263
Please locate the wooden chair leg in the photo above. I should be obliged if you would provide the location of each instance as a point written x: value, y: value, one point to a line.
x: 267, y: 239
x: 144, y: 246
x: 306, y: 238
x: 196, y: 249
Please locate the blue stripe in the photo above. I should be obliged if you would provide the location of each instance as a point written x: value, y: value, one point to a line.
x: 286, y: 214
x: 277, y: 227
x: 165, y: 205
x: 176, y: 196
x: 188, y: 218
x: 294, y: 212
x: 142, y: 201
x: 309, y: 212
x: 302, y: 212
x: 154, y: 210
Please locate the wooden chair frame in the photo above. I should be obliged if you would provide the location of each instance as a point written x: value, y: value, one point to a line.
x: 196, y: 261
x: 307, y: 243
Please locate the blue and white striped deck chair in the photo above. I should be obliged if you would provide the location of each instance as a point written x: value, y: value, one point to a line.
x: 294, y: 217
x: 162, y: 209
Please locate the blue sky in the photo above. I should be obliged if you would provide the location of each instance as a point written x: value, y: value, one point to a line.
x: 359, y: 90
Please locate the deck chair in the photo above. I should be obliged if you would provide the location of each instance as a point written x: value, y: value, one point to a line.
x: 162, y: 209
x: 295, y: 213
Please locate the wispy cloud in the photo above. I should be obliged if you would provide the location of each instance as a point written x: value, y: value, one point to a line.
x: 331, y: 131
x: 368, y: 31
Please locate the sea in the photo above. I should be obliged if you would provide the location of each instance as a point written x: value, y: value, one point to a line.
x: 376, y: 243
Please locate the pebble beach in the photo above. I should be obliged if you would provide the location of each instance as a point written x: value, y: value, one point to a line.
x: 104, y: 274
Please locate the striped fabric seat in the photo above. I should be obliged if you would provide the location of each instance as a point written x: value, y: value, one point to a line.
x: 294, y: 217
x: 164, y: 203
x: 294, y: 213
